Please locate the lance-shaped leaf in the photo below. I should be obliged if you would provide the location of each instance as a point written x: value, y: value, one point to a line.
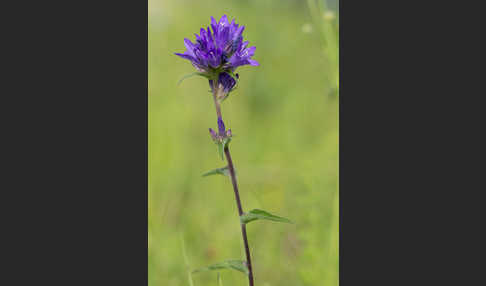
x: 219, y: 171
x: 221, y: 150
x: 260, y: 214
x: 238, y: 265
x: 193, y: 74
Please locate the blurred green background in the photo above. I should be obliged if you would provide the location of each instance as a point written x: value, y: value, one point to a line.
x: 284, y: 116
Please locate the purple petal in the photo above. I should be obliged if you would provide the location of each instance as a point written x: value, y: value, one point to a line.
x: 187, y: 57
x: 239, y: 31
x: 189, y: 45
x: 210, y: 39
x: 213, y: 21
x: 251, y: 51
x: 254, y: 63
x: 224, y: 21
x: 244, y: 45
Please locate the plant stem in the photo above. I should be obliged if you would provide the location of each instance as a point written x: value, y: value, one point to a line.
x: 231, y: 168
x: 217, y: 104
x: 240, y: 211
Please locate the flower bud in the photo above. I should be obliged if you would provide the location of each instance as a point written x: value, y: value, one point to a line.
x: 226, y: 82
x: 221, y: 127
x: 213, y: 134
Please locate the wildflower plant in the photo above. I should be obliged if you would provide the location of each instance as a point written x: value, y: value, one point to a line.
x: 216, y: 54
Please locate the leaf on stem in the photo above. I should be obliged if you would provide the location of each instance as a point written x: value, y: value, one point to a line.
x: 219, y: 171
x: 222, y: 145
x: 221, y: 150
x: 260, y: 214
x: 238, y: 265
x: 191, y: 75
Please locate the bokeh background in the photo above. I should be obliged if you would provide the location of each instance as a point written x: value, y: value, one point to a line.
x: 284, y: 115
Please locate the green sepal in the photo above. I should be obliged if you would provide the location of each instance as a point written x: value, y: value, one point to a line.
x: 237, y: 265
x: 219, y: 171
x: 261, y: 214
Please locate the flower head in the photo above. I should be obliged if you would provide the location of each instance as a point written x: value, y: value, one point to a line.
x: 220, y: 50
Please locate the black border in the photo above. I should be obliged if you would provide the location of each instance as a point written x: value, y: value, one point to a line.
x: 408, y: 127
x: 75, y: 160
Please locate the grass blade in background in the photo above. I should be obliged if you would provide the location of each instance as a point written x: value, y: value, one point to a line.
x: 220, y: 281
x: 189, y: 274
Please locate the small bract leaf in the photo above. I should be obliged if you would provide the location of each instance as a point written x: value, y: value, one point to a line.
x: 261, y: 214
x: 238, y: 265
x: 222, y: 146
x: 221, y: 150
x: 226, y: 141
x: 191, y: 75
x: 219, y: 171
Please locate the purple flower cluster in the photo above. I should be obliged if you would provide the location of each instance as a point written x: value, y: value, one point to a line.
x: 220, y: 51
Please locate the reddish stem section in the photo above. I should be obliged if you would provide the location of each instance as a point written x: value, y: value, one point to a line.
x: 240, y: 211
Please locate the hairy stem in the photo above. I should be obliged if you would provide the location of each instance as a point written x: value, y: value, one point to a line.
x: 231, y: 169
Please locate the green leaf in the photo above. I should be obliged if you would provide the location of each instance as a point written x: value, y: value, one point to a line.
x: 221, y: 150
x: 238, y: 265
x: 191, y: 75
x: 226, y: 141
x: 221, y: 171
x: 260, y: 214
x: 222, y: 146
